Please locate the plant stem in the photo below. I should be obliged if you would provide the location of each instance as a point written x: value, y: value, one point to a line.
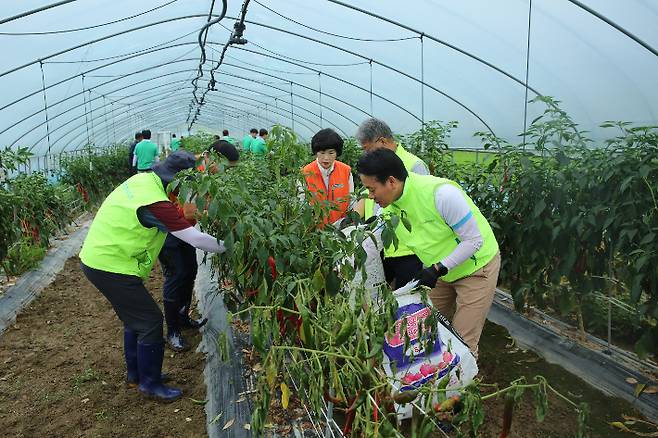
x: 308, y: 350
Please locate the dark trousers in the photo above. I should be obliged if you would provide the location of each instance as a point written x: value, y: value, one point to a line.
x: 132, y: 303
x: 179, y: 267
x: 401, y: 269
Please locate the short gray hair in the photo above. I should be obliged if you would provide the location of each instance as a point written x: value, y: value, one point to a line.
x: 372, y: 129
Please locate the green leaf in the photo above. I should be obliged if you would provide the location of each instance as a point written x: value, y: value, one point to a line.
x: 539, y: 208
x: 406, y: 223
x: 318, y: 280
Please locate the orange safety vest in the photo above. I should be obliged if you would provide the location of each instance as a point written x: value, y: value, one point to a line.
x: 338, y: 193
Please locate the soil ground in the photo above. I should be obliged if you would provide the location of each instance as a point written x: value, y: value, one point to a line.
x: 501, y: 362
x: 62, y: 371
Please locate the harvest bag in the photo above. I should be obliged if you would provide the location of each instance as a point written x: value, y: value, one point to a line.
x: 449, y: 355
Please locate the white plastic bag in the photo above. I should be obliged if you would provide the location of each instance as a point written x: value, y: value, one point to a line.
x: 373, y: 266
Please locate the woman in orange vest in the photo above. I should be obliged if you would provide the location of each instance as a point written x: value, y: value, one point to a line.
x: 328, y: 179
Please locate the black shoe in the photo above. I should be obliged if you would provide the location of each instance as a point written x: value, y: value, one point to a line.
x: 190, y: 323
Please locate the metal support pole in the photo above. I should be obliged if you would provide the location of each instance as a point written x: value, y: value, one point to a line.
x: 91, y: 118
x: 320, y: 95
x: 527, y: 71
x: 85, y: 102
x: 45, y: 109
x: 422, y: 91
x: 292, y: 109
x: 371, y: 109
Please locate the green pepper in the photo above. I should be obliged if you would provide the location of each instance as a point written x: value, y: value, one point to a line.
x: 405, y: 397
x: 345, y: 332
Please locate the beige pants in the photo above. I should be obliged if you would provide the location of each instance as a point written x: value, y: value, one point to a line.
x: 470, y: 298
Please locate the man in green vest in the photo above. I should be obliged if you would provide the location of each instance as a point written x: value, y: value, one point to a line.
x: 146, y: 153
x: 175, y: 143
x: 228, y: 138
x: 246, y: 141
x: 258, y: 145
x: 447, y: 232
x: 123, y: 242
x: 400, y: 264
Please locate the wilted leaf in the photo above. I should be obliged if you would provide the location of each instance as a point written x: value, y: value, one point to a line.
x: 651, y: 390
x: 228, y: 424
x: 285, y: 395
x: 631, y: 380
x: 639, y: 388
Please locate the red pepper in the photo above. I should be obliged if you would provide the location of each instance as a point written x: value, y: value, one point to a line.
x: 272, y: 264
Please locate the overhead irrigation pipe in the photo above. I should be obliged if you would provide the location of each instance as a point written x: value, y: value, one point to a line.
x: 203, y: 34
x: 235, y: 38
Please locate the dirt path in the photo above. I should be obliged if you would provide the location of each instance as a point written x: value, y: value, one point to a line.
x: 62, y: 371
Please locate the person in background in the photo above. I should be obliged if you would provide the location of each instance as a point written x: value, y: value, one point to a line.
x: 131, y: 152
x: 247, y: 139
x: 179, y: 268
x: 258, y: 145
x: 216, y: 137
x: 401, y: 264
x: 328, y: 179
x: 146, y: 153
x: 118, y: 253
x: 228, y: 138
x: 175, y: 143
x: 227, y: 150
x: 448, y: 233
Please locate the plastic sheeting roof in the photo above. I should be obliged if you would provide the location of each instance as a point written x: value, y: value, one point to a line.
x: 111, y: 68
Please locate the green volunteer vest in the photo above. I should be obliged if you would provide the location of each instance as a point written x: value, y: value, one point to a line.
x: 175, y: 144
x: 246, y: 143
x: 231, y: 140
x: 431, y: 238
x: 117, y: 242
x: 146, y: 152
x: 409, y: 160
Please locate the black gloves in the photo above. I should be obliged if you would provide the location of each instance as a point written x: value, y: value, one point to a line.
x: 429, y: 276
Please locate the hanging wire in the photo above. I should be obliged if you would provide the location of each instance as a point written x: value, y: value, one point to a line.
x: 123, y: 54
x: 263, y: 68
x: 308, y: 62
x: 51, y: 32
x: 334, y: 34
x: 527, y: 72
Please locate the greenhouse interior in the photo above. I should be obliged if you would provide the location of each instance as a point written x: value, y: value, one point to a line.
x: 329, y: 218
